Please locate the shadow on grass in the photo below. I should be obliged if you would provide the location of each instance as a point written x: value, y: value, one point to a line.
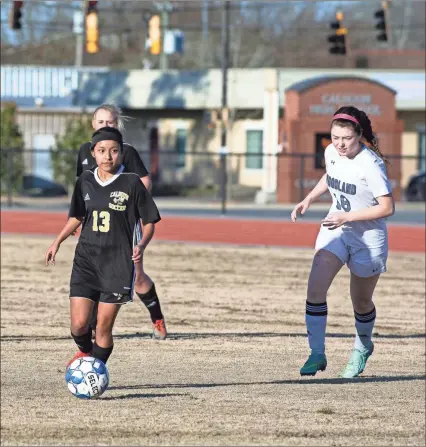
x: 307, y: 381
x: 139, y: 396
x: 206, y: 335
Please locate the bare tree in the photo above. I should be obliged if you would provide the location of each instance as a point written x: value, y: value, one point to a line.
x: 263, y: 33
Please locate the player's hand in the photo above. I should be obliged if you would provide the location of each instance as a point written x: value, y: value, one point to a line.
x: 335, y: 220
x: 300, y: 208
x: 137, y: 254
x: 51, y: 253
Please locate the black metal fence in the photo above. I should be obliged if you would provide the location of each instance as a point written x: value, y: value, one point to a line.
x: 207, y: 176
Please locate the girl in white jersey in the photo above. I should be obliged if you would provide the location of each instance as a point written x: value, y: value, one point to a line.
x: 353, y: 233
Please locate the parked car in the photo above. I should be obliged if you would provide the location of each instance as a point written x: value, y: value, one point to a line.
x: 35, y: 186
x: 416, y: 188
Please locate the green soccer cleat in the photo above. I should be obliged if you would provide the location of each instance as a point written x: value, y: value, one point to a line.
x: 357, y: 362
x: 315, y: 363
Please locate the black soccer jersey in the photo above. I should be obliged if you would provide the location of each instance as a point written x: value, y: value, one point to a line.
x: 111, y: 211
x: 131, y: 160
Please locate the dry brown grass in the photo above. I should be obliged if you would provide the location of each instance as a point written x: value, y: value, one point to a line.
x: 228, y: 374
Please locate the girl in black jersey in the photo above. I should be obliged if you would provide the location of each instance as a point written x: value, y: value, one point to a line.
x: 109, y: 115
x: 110, y: 203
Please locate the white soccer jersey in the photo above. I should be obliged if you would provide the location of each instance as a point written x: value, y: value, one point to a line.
x: 354, y: 184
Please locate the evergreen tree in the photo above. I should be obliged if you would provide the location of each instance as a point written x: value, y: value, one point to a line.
x: 11, y: 145
x: 64, y: 157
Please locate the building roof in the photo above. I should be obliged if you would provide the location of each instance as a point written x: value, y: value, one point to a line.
x: 192, y: 90
x: 309, y: 83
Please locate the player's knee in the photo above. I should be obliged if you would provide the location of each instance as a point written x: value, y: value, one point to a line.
x: 142, y: 282
x: 316, y: 294
x: 325, y: 259
x: 362, y: 304
x: 317, y: 289
x: 79, y: 326
x: 104, y: 328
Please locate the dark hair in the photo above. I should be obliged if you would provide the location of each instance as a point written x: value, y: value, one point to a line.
x: 363, y: 128
x: 107, y: 133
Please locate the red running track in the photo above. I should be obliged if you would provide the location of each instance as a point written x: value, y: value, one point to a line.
x: 217, y: 230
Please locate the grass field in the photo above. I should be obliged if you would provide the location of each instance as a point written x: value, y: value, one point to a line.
x: 229, y: 372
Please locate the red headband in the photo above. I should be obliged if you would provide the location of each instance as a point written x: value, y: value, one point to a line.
x: 344, y: 116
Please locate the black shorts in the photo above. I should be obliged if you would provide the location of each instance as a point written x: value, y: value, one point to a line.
x: 83, y: 291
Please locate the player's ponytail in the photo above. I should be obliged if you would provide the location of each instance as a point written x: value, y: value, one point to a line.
x: 359, y: 121
x: 116, y: 111
x: 367, y: 132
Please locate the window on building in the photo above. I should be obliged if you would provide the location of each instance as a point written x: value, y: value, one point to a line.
x: 322, y: 140
x: 180, y: 147
x: 254, y: 149
x: 422, y: 150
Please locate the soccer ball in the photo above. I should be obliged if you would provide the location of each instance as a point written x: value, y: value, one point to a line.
x: 87, y: 378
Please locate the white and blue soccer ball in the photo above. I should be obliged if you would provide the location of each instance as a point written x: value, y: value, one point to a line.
x: 87, y: 378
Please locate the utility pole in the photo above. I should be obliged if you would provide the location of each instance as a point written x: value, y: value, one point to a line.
x: 165, y: 9
x: 79, y: 17
x: 225, y: 111
x: 205, y: 22
x: 79, y: 31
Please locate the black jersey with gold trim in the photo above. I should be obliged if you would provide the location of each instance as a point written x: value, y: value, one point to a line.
x: 111, y: 212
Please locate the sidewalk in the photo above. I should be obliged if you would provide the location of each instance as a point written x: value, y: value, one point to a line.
x: 176, y: 203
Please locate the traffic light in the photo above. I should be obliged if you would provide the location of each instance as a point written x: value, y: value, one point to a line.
x: 92, y: 28
x: 16, y: 15
x: 381, y: 24
x: 338, y: 38
x: 154, y: 34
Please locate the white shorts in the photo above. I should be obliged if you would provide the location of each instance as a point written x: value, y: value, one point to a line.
x: 361, y: 260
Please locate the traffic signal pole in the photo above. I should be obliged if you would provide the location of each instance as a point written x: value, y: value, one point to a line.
x: 224, y: 113
x: 80, y: 37
x: 164, y: 60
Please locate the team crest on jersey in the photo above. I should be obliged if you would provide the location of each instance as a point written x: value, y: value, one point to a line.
x: 119, y: 200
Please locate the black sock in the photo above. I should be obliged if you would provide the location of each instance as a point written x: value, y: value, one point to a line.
x: 84, y: 342
x: 152, y: 303
x: 101, y: 353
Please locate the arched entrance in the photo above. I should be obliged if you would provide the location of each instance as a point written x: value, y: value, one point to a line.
x: 309, y: 107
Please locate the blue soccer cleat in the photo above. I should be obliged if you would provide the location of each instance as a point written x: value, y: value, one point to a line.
x: 357, y: 362
x: 315, y: 363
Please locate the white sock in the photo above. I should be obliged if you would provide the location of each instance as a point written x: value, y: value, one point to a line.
x: 364, y: 324
x: 316, y: 322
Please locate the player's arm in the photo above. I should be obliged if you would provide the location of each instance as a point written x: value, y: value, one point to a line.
x: 384, y: 208
x: 148, y: 231
x: 320, y: 189
x: 70, y: 227
x: 75, y: 217
x: 148, y: 213
x: 147, y: 182
x: 133, y: 163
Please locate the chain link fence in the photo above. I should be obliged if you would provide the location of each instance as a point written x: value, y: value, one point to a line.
x: 203, y: 176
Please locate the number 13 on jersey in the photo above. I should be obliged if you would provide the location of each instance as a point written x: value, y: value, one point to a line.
x: 101, y: 221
